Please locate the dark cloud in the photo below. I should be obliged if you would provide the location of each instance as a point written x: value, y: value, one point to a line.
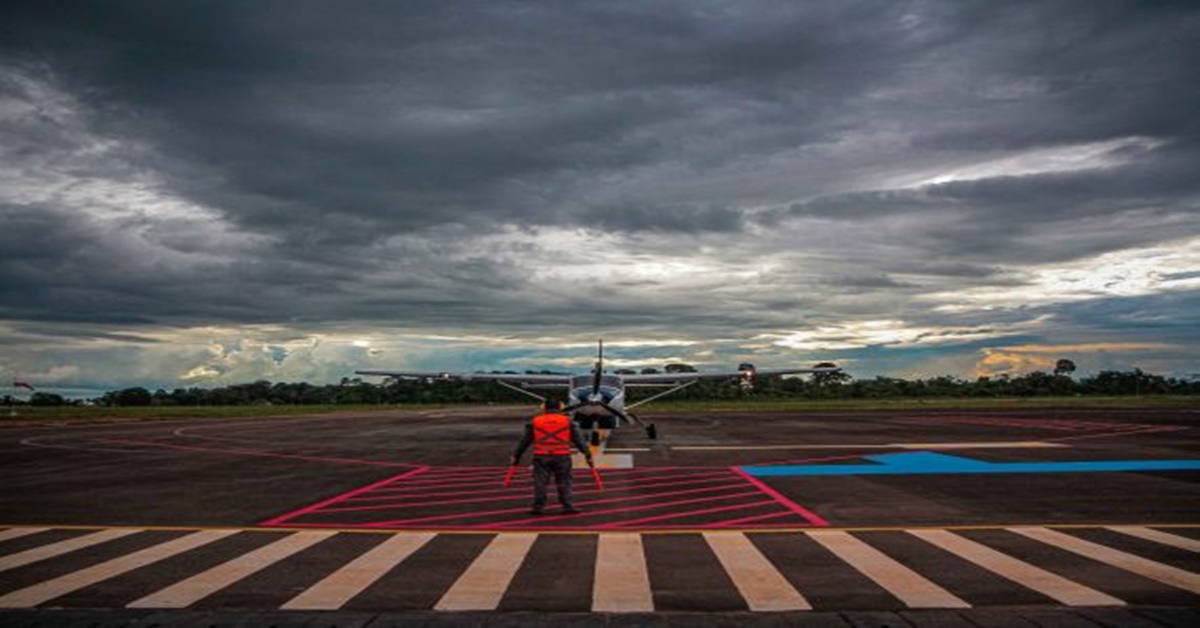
x: 685, y: 170
x: 307, y: 113
x: 1070, y: 72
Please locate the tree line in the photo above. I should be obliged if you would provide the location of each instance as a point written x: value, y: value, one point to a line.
x: 836, y: 385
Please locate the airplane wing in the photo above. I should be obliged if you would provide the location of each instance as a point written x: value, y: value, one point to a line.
x: 510, y: 378
x: 679, y: 378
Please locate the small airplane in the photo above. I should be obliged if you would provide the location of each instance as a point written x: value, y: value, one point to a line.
x: 596, y: 401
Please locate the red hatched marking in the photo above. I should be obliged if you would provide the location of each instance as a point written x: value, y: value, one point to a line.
x: 646, y: 498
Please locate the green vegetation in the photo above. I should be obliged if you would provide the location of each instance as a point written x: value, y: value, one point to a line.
x: 836, y: 390
x: 933, y: 403
x: 745, y: 404
x: 92, y: 412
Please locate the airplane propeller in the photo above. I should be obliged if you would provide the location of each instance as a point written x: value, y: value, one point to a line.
x: 597, y: 399
x: 599, y: 372
x: 627, y: 416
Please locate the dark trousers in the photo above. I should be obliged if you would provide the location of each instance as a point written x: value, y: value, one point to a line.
x: 560, y: 468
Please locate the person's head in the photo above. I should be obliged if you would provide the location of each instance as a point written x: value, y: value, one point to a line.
x: 552, y: 405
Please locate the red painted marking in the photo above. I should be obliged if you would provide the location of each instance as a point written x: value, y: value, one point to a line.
x: 434, y: 483
x: 409, y: 504
x: 317, y: 506
x: 505, y: 494
x: 439, y: 487
x: 523, y: 509
x: 561, y: 528
x: 811, y: 516
x: 857, y: 456
x: 640, y: 483
x: 395, y: 497
x: 645, y: 498
x: 731, y: 523
x: 698, y: 478
x: 1146, y: 430
x: 676, y: 515
x: 447, y: 477
x: 524, y: 484
x: 611, y: 511
x: 258, y: 454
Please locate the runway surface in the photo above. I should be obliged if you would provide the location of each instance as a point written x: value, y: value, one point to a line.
x: 1093, y: 513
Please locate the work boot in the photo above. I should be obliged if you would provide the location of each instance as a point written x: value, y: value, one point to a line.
x: 571, y: 510
x: 537, y: 512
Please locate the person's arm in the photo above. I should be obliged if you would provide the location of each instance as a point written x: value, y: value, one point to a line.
x: 526, y: 441
x: 580, y: 443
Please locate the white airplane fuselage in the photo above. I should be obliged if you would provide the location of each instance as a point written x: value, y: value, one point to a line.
x: 584, y: 394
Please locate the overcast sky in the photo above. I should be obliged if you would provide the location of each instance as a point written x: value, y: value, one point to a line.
x: 208, y: 193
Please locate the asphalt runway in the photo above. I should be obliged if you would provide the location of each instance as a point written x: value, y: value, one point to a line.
x: 826, y: 514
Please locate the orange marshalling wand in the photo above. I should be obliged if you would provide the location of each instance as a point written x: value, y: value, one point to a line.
x: 509, y: 476
x: 596, y: 476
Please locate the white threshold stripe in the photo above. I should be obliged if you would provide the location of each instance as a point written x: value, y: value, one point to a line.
x: 1154, y: 570
x: 622, y: 582
x: 1049, y: 584
x: 50, y: 589
x: 16, y: 533
x: 191, y: 590
x: 20, y: 559
x: 1158, y: 536
x: 342, y: 585
x: 483, y: 584
x: 759, y: 582
x: 907, y: 585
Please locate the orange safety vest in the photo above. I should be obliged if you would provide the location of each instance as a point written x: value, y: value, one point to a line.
x: 551, y: 435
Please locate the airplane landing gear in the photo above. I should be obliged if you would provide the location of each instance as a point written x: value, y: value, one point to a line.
x: 651, y: 431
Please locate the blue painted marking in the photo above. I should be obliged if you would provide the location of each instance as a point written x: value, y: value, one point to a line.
x: 925, y: 462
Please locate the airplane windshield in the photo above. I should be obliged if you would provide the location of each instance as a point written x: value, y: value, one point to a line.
x: 585, y: 381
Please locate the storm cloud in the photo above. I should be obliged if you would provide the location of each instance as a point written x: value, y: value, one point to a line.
x: 206, y: 192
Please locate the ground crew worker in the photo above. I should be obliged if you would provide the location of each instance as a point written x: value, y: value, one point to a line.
x: 552, y: 434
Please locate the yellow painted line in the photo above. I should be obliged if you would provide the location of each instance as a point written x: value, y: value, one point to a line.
x: 1159, y: 536
x: 693, y: 531
x: 482, y: 585
x: 1049, y: 584
x: 759, y: 582
x: 907, y: 585
x: 778, y: 447
x: 50, y: 589
x: 1023, y: 444
x: 1154, y: 570
x: 187, y: 592
x: 342, y: 585
x: 622, y: 582
x: 43, y: 552
x: 16, y: 533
